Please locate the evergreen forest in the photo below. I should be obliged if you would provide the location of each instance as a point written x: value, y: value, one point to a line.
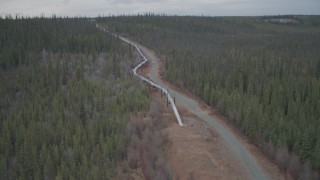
x: 263, y: 75
x: 66, y: 96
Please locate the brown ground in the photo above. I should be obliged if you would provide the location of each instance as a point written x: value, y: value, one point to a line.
x: 197, y: 152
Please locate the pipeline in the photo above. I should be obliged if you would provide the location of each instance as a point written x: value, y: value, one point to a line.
x: 145, y: 60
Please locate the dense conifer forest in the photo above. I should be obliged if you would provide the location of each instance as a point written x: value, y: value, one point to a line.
x: 264, y: 75
x: 66, y: 95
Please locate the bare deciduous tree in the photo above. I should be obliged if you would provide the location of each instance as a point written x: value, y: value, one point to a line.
x: 282, y: 158
x: 294, y: 166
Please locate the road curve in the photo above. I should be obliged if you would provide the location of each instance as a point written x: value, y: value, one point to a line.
x: 239, y: 150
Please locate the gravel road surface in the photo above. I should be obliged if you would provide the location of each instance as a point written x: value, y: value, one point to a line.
x: 239, y: 150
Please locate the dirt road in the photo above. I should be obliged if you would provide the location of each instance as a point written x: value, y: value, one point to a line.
x: 240, y: 151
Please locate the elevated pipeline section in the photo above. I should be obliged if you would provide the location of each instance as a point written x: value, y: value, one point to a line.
x: 145, y: 60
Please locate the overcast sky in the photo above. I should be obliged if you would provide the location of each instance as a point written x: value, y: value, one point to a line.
x: 170, y: 7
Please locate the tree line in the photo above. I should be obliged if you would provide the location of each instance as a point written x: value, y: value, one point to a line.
x: 66, y: 96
